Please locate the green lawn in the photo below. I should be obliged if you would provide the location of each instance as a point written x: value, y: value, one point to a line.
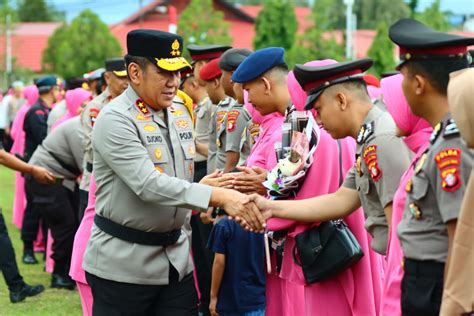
x: 51, y: 301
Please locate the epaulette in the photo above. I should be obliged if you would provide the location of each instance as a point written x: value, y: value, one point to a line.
x: 451, y: 129
x: 364, y: 132
x: 436, y: 131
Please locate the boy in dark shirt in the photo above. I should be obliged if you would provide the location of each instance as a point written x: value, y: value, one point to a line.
x: 238, y: 279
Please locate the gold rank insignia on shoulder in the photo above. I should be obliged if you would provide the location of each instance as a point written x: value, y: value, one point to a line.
x: 149, y: 128
x: 435, y: 133
x: 142, y: 107
x: 420, y: 163
x: 409, y: 186
x: 415, y: 211
x: 364, y: 132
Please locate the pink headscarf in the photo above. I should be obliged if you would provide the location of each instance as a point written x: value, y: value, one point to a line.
x: 345, y: 290
x: 74, y: 99
x: 418, y: 131
x: 417, y: 128
x: 31, y: 95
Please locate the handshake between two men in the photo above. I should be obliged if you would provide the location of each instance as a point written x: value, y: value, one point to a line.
x: 240, y: 191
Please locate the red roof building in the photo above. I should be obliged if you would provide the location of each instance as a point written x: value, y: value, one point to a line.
x: 29, y: 40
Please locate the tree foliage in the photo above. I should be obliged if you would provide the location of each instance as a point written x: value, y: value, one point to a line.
x: 434, y: 17
x: 319, y: 40
x: 382, y: 51
x: 80, y: 47
x: 276, y: 25
x: 368, y: 12
x: 38, y: 11
x: 200, y: 24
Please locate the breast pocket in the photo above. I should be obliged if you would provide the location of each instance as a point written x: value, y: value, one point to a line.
x: 420, y: 188
x: 158, y: 154
x: 363, y: 185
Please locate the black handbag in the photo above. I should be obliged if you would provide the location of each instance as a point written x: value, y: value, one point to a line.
x: 328, y: 249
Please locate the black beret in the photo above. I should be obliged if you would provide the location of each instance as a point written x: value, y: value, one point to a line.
x: 163, y: 49
x: 314, y: 79
x: 76, y: 82
x: 117, y: 66
x: 232, y: 58
x: 419, y: 42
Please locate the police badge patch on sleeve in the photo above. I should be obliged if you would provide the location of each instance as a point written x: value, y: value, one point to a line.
x: 93, y: 115
x: 232, y: 117
x: 448, y: 161
x: 370, y: 157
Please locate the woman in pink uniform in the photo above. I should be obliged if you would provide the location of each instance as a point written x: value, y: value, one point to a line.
x: 18, y: 135
x: 355, y: 291
x: 283, y: 298
x: 80, y: 244
x: 416, y: 132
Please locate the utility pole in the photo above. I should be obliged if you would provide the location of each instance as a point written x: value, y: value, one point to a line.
x: 8, y: 49
x: 349, y: 25
x: 140, y: 19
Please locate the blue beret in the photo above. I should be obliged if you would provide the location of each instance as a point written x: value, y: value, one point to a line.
x: 258, y: 63
x: 47, y: 81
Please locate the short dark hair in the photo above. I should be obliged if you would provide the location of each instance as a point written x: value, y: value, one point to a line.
x: 437, y: 71
x: 140, y: 61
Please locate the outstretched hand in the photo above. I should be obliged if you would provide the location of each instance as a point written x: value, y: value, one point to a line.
x: 218, y: 179
x: 245, y: 212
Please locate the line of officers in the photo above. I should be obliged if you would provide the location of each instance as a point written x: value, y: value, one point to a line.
x: 148, y: 145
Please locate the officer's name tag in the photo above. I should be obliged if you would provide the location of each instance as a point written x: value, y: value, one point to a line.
x: 154, y: 139
x: 185, y: 135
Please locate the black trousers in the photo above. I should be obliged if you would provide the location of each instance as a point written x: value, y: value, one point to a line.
x: 7, y: 259
x: 124, y: 299
x: 83, y: 199
x: 422, y: 288
x: 32, y: 216
x: 58, y: 207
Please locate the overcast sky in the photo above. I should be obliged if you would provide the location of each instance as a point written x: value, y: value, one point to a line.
x: 113, y: 11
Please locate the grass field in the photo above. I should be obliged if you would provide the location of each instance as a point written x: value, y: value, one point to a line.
x: 50, y: 302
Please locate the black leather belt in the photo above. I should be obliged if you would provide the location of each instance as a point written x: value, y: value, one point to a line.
x: 136, y: 236
x: 89, y: 167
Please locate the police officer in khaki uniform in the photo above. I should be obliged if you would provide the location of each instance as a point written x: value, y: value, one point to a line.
x: 138, y: 260
x: 339, y: 95
x: 201, y: 55
x: 211, y: 75
x: 237, y: 117
x: 436, y: 190
x: 115, y: 76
